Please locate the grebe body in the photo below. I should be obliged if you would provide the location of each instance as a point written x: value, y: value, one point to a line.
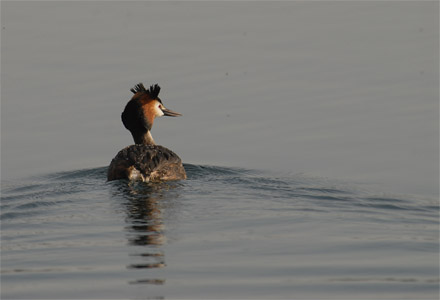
x: 145, y: 160
x: 146, y: 163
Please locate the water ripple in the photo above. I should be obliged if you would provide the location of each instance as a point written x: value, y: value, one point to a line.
x: 222, y: 228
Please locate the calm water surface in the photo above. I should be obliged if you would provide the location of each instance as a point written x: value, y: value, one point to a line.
x: 309, y: 132
x: 223, y: 233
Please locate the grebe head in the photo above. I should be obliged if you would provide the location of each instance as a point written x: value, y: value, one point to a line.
x: 141, y: 110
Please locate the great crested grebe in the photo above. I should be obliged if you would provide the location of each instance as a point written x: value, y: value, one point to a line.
x: 145, y: 160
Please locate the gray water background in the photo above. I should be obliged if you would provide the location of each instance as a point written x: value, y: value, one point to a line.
x: 341, y: 89
x: 325, y: 107
x: 225, y: 233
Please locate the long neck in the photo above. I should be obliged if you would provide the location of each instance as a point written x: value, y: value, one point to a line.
x: 143, y: 138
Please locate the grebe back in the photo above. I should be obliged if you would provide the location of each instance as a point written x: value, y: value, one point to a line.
x: 145, y: 160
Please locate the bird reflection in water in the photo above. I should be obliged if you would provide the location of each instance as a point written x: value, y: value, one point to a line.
x: 144, y: 208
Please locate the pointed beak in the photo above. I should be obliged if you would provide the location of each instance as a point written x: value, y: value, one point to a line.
x: 170, y: 113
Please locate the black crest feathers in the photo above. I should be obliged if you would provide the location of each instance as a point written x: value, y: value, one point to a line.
x: 153, y: 92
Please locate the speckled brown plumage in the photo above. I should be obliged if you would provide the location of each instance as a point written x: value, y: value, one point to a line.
x: 146, y: 163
